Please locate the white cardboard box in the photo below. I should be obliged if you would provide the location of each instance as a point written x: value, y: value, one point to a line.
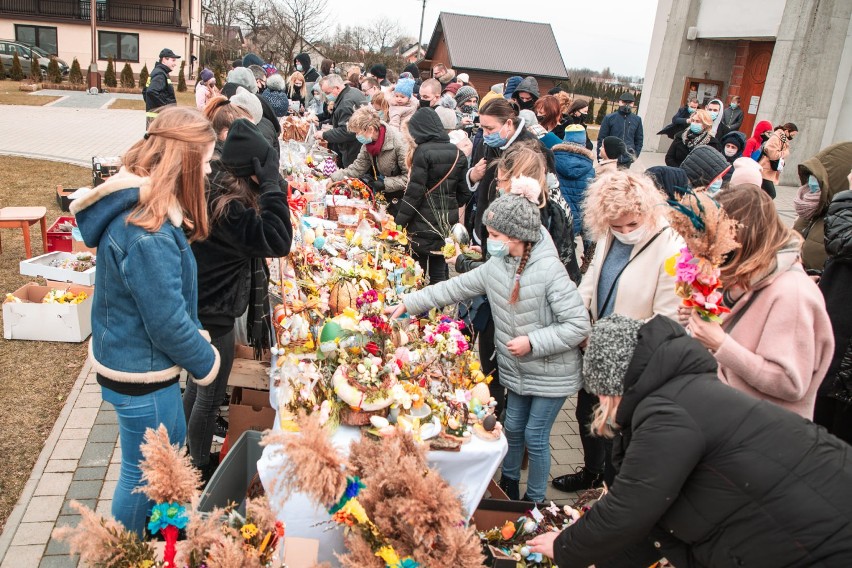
x: 35, y: 321
x: 40, y: 266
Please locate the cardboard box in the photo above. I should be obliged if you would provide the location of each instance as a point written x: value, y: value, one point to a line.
x: 35, y: 321
x: 495, y: 512
x: 103, y: 167
x: 250, y: 374
x: 40, y: 266
x: 250, y: 410
x: 63, y: 197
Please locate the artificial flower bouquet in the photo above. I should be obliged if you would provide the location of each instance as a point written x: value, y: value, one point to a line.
x: 709, y: 235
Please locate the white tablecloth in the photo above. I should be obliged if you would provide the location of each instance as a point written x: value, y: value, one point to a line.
x: 468, y: 471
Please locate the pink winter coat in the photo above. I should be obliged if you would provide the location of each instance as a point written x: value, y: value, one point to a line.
x: 782, y: 346
x: 399, y: 115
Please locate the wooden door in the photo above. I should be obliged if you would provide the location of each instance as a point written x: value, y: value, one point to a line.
x: 754, y: 78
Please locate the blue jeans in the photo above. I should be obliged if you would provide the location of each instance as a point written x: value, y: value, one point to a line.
x: 528, y: 423
x: 135, y: 415
x: 201, y: 404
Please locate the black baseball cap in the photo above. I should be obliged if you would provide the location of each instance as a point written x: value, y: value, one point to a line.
x: 168, y: 53
x: 627, y: 97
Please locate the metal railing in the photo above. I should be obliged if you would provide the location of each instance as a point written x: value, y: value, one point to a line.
x: 118, y: 12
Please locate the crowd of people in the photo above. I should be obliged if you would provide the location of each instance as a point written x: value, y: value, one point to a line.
x: 719, y: 442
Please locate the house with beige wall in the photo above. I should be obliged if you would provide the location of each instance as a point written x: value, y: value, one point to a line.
x: 132, y: 32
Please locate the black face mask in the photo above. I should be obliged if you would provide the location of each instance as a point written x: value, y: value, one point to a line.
x: 425, y: 104
x: 625, y: 109
x: 526, y: 105
x: 580, y: 119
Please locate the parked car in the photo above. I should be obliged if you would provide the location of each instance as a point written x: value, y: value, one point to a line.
x: 26, y: 54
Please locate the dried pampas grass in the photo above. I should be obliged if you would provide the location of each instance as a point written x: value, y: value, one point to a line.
x: 167, y: 471
x: 708, y: 232
x: 313, y: 465
x: 103, y: 541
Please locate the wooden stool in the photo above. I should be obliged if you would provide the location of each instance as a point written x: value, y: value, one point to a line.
x: 23, y: 217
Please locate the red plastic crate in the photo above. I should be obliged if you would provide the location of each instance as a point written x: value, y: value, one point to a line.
x: 59, y: 241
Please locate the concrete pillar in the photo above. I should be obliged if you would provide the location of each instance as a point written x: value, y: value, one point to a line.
x: 803, y: 74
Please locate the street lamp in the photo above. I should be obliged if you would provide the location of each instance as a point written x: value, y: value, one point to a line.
x: 94, y: 74
x: 420, y: 37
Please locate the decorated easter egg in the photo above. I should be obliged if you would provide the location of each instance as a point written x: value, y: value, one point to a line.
x: 480, y: 391
x: 342, y: 296
x: 489, y: 423
x: 328, y: 166
x: 309, y: 236
x: 319, y: 242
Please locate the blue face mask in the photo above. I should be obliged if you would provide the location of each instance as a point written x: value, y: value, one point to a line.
x: 714, y: 114
x: 331, y: 98
x: 690, y: 110
x: 495, y: 140
x: 382, y: 114
x: 734, y: 105
x: 714, y: 188
x: 696, y: 128
x: 299, y: 67
x: 497, y: 249
x: 813, y: 184
x: 363, y: 139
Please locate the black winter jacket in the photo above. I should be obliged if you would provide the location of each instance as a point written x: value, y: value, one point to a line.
x: 629, y: 128
x: 835, y: 282
x: 159, y: 91
x: 348, y: 146
x: 224, y: 258
x: 678, y: 151
x: 715, y: 477
x: 486, y: 189
x: 561, y: 229
x: 423, y: 210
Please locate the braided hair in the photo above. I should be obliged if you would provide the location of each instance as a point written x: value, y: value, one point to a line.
x: 516, y: 289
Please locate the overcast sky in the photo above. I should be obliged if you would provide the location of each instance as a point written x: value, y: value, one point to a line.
x: 615, y: 33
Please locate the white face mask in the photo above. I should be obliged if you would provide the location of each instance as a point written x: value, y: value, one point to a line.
x: 730, y: 152
x: 634, y: 237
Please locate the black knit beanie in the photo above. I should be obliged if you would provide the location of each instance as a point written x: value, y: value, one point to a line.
x: 614, y: 147
x: 243, y: 143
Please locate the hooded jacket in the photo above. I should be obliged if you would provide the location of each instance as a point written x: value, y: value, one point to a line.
x: 347, y: 102
x: 310, y: 73
x: 738, y: 139
x: 756, y: 141
x: 145, y: 325
x: 389, y: 166
x: 549, y: 311
x: 745, y: 483
x: 528, y: 85
x: 575, y: 167
x: 830, y: 166
x: 834, y: 285
x: 240, y: 234
x: 431, y: 202
x: 782, y: 346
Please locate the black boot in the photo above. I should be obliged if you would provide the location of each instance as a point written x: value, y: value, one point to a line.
x: 577, y: 481
x: 510, y: 487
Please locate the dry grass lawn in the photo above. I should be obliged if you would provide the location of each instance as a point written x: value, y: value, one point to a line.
x: 35, y: 377
x: 183, y: 99
x: 11, y: 95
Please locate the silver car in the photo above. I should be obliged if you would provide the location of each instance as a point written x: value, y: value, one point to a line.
x: 26, y: 55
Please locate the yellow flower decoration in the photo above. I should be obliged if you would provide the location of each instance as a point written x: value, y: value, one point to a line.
x: 248, y: 531
x: 356, y: 511
x: 670, y: 265
x: 146, y: 564
x: 389, y: 555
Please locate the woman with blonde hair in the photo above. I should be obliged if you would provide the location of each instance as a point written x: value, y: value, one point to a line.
x: 777, y: 342
x: 626, y: 213
x: 297, y: 89
x: 381, y: 163
x: 145, y: 326
x: 697, y: 133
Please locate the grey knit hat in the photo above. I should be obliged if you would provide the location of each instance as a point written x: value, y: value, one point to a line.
x: 515, y: 216
x: 465, y: 94
x: 611, y: 347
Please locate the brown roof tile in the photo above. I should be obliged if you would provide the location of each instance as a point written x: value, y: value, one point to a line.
x: 496, y: 44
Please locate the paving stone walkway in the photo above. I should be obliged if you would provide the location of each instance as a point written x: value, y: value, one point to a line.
x: 80, y: 99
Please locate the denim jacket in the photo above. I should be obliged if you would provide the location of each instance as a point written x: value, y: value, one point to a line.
x: 145, y: 324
